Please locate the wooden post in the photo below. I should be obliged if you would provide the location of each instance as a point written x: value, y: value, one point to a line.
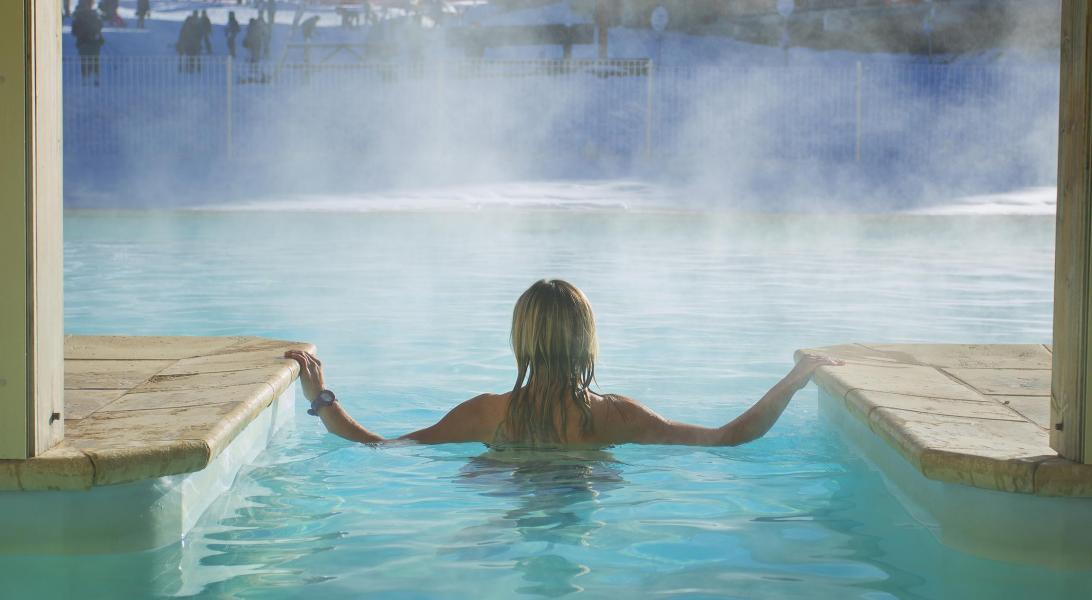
x: 1071, y: 387
x: 31, y: 320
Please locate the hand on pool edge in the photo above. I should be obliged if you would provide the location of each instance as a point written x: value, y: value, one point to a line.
x: 808, y: 363
x: 311, y: 376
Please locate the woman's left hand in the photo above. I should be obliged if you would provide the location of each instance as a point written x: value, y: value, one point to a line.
x: 310, y: 373
x: 807, y: 365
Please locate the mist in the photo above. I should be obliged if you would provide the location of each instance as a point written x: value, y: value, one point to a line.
x: 711, y: 116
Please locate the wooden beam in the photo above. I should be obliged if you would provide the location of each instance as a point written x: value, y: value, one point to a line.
x: 1071, y: 386
x: 31, y: 319
x: 46, y: 224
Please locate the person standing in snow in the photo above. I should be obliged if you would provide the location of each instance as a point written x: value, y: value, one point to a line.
x: 206, y: 31
x: 189, y: 43
x: 109, y: 10
x: 308, y: 27
x: 252, y: 41
x: 231, y: 31
x: 143, y: 9
x: 87, y: 29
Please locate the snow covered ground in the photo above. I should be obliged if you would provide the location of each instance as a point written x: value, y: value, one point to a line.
x: 669, y: 48
x: 597, y: 195
x: 728, y: 122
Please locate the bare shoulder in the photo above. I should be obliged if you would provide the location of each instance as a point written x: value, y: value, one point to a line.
x: 475, y: 419
x: 489, y: 404
x: 621, y: 419
x: 621, y: 407
x: 487, y: 408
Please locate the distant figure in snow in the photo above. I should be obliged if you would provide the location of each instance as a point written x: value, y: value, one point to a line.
x: 67, y: 5
x: 189, y: 43
x: 260, y: 5
x: 87, y: 29
x: 309, y: 28
x: 109, y: 10
x: 252, y: 41
x: 231, y: 31
x: 350, y: 17
x: 206, y: 31
x: 271, y: 10
x: 143, y: 9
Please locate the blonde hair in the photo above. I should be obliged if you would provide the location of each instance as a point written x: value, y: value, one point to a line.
x: 553, y: 338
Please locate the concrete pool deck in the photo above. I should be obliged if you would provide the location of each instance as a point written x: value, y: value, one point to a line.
x: 961, y: 434
x: 976, y: 415
x: 155, y: 429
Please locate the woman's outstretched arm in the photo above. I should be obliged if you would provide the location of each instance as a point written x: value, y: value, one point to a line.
x: 472, y: 421
x: 334, y: 417
x: 643, y: 426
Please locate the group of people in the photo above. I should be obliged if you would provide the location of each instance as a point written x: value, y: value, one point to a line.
x: 108, y: 11
x: 259, y: 33
x: 195, y: 36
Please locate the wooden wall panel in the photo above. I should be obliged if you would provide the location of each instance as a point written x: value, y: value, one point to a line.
x: 31, y: 312
x: 45, y: 224
x: 13, y: 235
x: 1073, y: 250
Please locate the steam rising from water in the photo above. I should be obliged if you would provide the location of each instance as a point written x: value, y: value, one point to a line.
x: 753, y: 127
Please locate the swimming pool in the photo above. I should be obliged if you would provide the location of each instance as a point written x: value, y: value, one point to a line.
x: 698, y: 314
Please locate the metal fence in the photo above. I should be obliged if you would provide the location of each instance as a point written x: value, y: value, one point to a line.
x: 190, y: 117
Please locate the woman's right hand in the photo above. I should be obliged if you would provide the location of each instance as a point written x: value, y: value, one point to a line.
x: 310, y: 373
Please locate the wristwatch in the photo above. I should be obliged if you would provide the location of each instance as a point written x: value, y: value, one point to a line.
x: 324, y: 398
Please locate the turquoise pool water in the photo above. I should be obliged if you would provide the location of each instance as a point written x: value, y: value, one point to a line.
x: 698, y: 315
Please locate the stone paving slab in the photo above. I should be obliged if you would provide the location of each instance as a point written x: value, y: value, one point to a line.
x: 970, y: 356
x: 1033, y: 408
x: 110, y: 374
x: 1007, y: 382
x: 862, y: 403
x: 146, y: 407
x: 82, y: 403
x: 975, y: 415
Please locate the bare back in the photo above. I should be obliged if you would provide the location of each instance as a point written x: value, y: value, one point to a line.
x: 615, y: 420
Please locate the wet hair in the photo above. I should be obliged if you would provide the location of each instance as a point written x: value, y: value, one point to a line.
x: 553, y: 338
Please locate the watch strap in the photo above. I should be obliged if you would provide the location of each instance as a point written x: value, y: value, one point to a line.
x: 324, y: 398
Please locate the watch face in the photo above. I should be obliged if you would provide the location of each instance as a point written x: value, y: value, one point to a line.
x: 325, y: 397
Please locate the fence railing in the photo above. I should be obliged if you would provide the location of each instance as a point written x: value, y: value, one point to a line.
x: 191, y: 115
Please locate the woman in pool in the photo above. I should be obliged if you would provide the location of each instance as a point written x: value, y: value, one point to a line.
x: 551, y: 404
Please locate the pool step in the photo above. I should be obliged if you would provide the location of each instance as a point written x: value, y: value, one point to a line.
x: 155, y: 429
x: 962, y: 433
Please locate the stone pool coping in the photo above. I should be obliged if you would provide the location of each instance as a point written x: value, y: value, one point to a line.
x: 976, y: 415
x: 146, y: 407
